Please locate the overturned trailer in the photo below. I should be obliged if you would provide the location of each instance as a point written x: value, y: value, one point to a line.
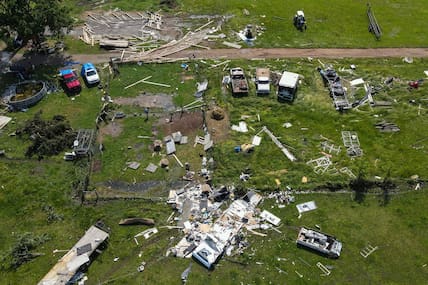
x: 78, y: 258
x: 337, y: 91
x: 319, y: 242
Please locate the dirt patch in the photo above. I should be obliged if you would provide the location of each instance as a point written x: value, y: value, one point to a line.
x: 113, y: 129
x: 185, y: 77
x: 96, y: 165
x: 219, y: 129
x: 148, y: 100
x: 187, y: 124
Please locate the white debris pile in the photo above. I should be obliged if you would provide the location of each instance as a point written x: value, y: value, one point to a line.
x: 282, y: 198
x: 204, y: 239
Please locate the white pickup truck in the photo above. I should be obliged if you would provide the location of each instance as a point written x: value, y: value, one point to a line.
x: 262, y: 81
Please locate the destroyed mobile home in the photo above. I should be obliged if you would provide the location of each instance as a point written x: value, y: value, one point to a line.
x: 77, y: 258
x: 319, y: 242
x: 207, y: 240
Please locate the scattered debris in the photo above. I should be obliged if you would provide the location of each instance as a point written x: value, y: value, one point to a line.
x: 287, y: 125
x: 244, y: 176
x: 232, y: 45
x: 347, y: 171
x: 325, y: 270
x: 146, y: 234
x: 320, y: 165
x: 151, y: 168
x: 306, y: 207
x: 83, y: 143
x: 170, y: 146
x: 329, y: 147
x: 141, y: 267
x: 365, y: 252
x: 351, y: 142
x: 320, y: 242
x: 408, y: 59
x: 4, y: 121
x: 271, y: 218
x: 256, y: 140
x: 133, y: 165
x: 186, y: 273
x: 247, y: 34
x: 205, y: 240
x: 387, y: 127
x: 242, y: 127
x: 284, y: 150
x: 202, y: 87
x: 373, y: 25
x: 226, y: 228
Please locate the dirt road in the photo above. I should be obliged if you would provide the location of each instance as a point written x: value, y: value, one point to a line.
x: 249, y: 53
x: 252, y: 53
x: 294, y: 52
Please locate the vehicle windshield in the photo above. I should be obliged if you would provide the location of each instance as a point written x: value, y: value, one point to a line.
x: 91, y: 73
x: 69, y: 78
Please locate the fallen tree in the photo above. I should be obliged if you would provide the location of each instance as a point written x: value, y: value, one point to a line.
x: 49, y: 137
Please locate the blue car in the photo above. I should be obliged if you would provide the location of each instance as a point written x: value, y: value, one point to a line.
x: 90, y: 74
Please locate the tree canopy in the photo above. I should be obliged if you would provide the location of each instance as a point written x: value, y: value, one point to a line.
x: 29, y: 18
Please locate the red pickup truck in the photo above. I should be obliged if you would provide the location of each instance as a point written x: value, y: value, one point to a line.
x: 70, y: 81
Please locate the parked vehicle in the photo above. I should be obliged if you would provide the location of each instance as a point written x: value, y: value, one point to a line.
x: 238, y: 81
x: 320, y: 242
x: 287, y: 86
x: 337, y: 91
x: 262, y: 81
x: 299, y: 21
x: 89, y: 74
x: 71, y: 83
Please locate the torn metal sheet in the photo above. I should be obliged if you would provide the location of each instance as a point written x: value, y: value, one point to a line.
x: 271, y: 218
x: 4, y: 121
x: 241, y: 127
x: 356, y: 82
x: 151, y: 168
x: 170, y: 147
x: 133, y: 165
x: 256, y: 140
x: 306, y: 207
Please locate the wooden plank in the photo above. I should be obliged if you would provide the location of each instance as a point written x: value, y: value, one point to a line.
x: 139, y: 81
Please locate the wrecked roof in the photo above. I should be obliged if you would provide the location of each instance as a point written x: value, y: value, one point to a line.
x: 80, y: 254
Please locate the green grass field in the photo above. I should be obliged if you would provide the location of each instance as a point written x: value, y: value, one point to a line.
x: 333, y: 23
x: 398, y: 228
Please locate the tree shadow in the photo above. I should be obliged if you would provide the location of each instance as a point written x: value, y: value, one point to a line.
x: 360, y: 186
x: 30, y: 63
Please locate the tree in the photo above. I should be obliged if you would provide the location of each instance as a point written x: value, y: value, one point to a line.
x: 30, y: 18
